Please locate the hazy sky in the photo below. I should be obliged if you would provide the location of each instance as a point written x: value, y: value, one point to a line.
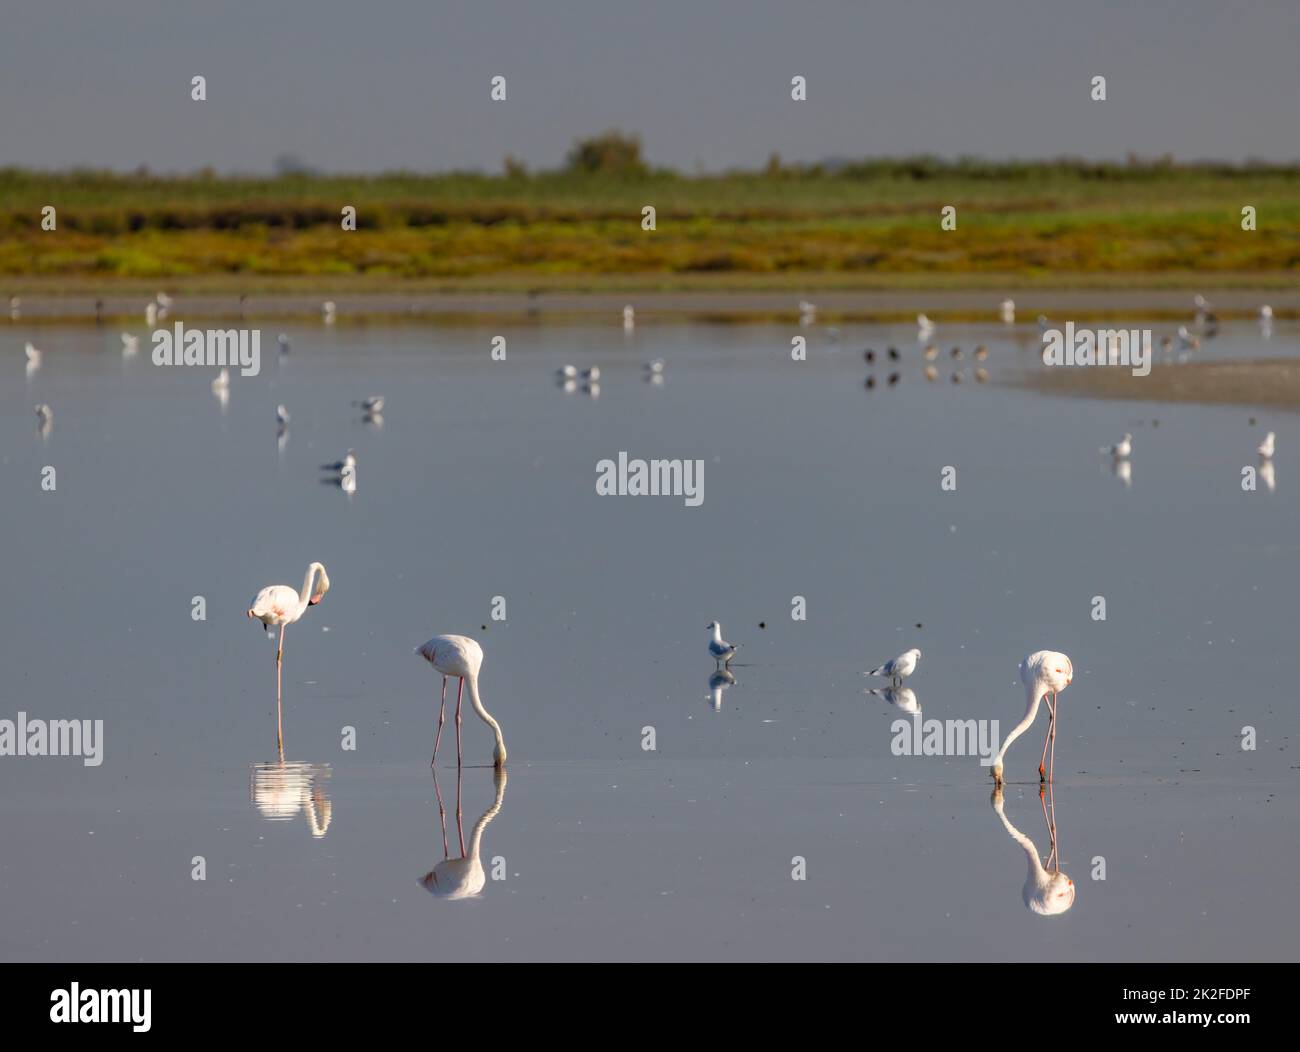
x: 363, y: 86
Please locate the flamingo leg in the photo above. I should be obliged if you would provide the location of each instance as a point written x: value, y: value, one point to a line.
x: 442, y: 713
x: 442, y: 813
x: 460, y: 827
x: 459, y: 689
x: 279, y: 706
x: 1051, y: 725
x: 1052, y: 729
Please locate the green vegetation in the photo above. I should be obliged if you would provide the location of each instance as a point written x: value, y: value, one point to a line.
x: 849, y: 225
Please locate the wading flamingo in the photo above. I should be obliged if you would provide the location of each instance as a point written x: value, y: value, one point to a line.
x: 278, y: 604
x: 1042, y: 672
x: 461, y: 657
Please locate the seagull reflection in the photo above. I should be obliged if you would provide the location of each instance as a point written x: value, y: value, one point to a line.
x: 375, y: 420
x: 1123, y: 470
x: 284, y: 789
x: 1047, y: 890
x: 904, y: 698
x: 1266, y: 475
x: 463, y: 877
x: 719, y: 683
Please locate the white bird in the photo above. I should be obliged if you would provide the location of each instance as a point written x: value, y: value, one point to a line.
x: 1186, y: 340
x: 151, y: 313
x: 629, y: 318
x: 349, y: 461
x: 373, y: 404
x: 1267, y: 446
x: 1047, y: 891
x: 327, y: 310
x: 903, y: 698
x: 44, y: 413
x: 1042, y: 672
x: 282, y: 342
x: 15, y: 308
x: 222, y: 380
x: 348, y: 481
x: 463, y: 878
x: 1201, y: 303
x: 279, y: 604
x: 1008, y: 311
x: 566, y: 372
x: 130, y: 345
x: 1268, y: 476
x: 164, y: 300
x: 1122, y: 449
x: 282, y: 416
x: 924, y: 327
x: 1266, y: 313
x: 807, y: 313
x: 720, y: 681
x: 721, y: 650
x: 282, y: 790
x: 591, y: 375
x: 34, y: 354
x: 461, y: 657
x: 655, y: 367
x: 899, y: 668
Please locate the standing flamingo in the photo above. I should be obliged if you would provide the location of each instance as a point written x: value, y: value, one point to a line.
x: 279, y: 604
x: 1042, y: 672
x: 461, y: 657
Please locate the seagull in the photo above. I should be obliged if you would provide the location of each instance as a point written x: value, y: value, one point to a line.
x: 151, y: 313
x: 591, y: 375
x: 348, y: 480
x: 1122, y: 450
x: 1201, y: 304
x: 629, y: 318
x: 899, y: 668
x: 15, y: 308
x: 1008, y: 311
x: 373, y: 404
x: 222, y: 381
x: 566, y: 372
x: 1266, y: 313
x: 34, y: 357
x: 349, y: 461
x: 656, y: 366
x: 1266, y: 447
x: 719, y: 682
x: 130, y: 344
x: 44, y: 413
x: 327, y: 310
x: 807, y: 312
x: 164, y: 300
x: 282, y: 416
x: 721, y: 650
x: 924, y: 327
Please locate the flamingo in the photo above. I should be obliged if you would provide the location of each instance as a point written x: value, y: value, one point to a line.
x: 463, y: 878
x: 461, y: 657
x: 279, y: 604
x: 1042, y: 672
x: 1047, y: 891
x: 900, y: 667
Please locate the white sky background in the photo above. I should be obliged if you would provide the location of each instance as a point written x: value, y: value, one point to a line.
x: 383, y: 84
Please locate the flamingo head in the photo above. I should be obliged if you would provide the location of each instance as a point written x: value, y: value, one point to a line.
x: 322, y: 586
x: 1047, y: 672
x: 1051, y: 897
x: 499, y: 756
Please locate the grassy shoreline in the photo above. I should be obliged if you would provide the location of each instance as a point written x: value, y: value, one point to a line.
x: 861, y: 226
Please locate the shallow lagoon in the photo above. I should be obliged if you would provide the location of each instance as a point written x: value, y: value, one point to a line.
x: 481, y: 483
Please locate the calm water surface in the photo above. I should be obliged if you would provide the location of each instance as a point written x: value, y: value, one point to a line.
x: 481, y: 483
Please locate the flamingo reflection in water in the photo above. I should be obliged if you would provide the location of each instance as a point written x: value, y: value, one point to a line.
x: 463, y: 877
x: 1047, y: 891
x: 283, y: 789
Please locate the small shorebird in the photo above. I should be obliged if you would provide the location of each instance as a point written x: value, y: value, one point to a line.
x: 1122, y: 449
x: 899, y: 668
x: 721, y: 650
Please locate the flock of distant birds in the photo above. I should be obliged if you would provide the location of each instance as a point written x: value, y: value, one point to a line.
x: 1043, y: 672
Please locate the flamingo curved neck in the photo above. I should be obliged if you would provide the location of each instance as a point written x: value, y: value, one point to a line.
x: 304, y: 597
x: 486, y: 717
x: 1033, y: 695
